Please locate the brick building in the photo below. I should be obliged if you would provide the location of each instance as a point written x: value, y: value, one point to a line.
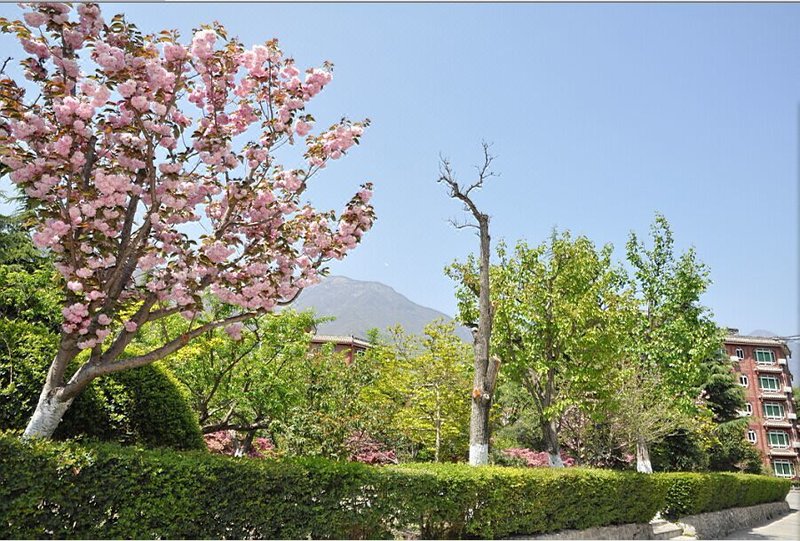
x: 761, y: 366
x: 351, y: 345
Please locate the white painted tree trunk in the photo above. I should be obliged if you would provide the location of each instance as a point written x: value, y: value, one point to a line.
x: 555, y: 460
x: 643, y: 457
x: 478, y: 454
x: 49, y: 412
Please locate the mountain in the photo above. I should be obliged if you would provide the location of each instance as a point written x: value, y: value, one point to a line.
x: 794, y: 360
x: 359, y: 306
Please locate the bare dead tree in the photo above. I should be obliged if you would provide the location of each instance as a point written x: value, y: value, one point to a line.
x: 486, y: 368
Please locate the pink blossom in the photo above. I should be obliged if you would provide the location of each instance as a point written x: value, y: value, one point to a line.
x: 302, y: 128
x: 75, y: 286
x: 131, y: 326
x: 35, y: 18
x: 234, y: 330
x: 262, y: 240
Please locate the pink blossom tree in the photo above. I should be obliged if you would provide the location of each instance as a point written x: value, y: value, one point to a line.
x: 133, y: 142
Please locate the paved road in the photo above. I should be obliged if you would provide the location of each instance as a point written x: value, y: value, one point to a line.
x: 786, y: 527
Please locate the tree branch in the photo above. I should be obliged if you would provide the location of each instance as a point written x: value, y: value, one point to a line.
x: 87, y: 373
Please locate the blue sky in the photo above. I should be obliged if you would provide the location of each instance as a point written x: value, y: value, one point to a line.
x: 600, y: 116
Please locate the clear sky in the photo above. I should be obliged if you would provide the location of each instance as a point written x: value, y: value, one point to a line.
x: 600, y: 116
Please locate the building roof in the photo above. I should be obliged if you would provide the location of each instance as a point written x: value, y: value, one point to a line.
x: 340, y: 340
x: 758, y: 341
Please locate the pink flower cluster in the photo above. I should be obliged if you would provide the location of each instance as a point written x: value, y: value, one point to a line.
x: 115, y: 168
x: 223, y: 442
x: 535, y: 459
x: 366, y: 449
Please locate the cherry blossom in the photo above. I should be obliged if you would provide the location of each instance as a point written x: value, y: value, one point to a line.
x: 133, y: 139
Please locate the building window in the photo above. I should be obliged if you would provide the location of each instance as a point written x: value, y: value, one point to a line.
x: 773, y: 411
x: 740, y: 353
x: 778, y: 439
x: 769, y: 383
x: 743, y: 381
x: 783, y: 468
x: 748, y: 409
x: 752, y: 437
x: 765, y: 356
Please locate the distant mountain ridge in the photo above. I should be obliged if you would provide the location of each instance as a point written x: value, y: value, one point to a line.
x: 360, y: 305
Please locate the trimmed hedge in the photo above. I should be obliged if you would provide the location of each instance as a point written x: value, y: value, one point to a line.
x: 457, y: 500
x: 693, y: 493
x: 65, y: 490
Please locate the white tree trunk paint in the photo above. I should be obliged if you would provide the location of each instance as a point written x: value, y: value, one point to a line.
x: 478, y: 454
x: 49, y: 412
x: 643, y: 457
x: 555, y: 460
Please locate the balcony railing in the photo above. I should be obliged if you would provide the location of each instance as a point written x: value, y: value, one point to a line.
x: 782, y: 361
x: 778, y: 423
x: 771, y: 368
x: 785, y: 451
x: 773, y: 395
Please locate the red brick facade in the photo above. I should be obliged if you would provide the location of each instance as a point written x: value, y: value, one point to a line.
x: 760, y: 365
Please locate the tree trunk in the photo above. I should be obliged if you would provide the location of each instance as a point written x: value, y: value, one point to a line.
x: 551, y: 440
x: 438, y: 425
x: 48, y: 414
x: 244, y: 446
x: 643, y: 457
x: 479, y: 433
x: 486, y: 370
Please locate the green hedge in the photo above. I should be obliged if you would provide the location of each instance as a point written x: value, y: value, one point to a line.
x: 693, y: 493
x: 457, y: 500
x: 65, y: 490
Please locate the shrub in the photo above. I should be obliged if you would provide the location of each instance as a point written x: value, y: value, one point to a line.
x: 66, y: 490
x: 223, y: 442
x: 144, y: 405
x: 457, y: 500
x: 528, y: 458
x: 693, y: 493
x: 106, y: 491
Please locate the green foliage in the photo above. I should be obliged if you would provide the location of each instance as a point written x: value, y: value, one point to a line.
x: 330, y: 407
x: 421, y: 392
x: 685, y: 450
x: 244, y: 384
x: 561, y: 313
x: 141, y: 406
x: 693, y: 493
x: 723, y: 394
x: 456, y: 500
x: 50, y: 490
x: 731, y: 451
x: 104, y: 491
x: 144, y: 405
x: 65, y: 490
x: 673, y: 330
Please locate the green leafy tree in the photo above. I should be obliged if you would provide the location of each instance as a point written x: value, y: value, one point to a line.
x: 642, y: 410
x: 673, y: 333
x: 560, y: 316
x: 424, y: 382
x: 242, y: 378
x: 330, y: 410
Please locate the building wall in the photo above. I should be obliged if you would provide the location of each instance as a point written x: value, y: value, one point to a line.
x: 756, y: 396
